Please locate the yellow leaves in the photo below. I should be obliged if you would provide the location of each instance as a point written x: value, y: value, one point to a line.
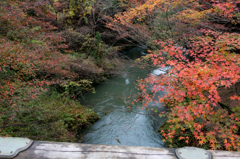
x: 140, y: 12
x: 71, y: 13
x: 192, y: 16
x: 76, y: 5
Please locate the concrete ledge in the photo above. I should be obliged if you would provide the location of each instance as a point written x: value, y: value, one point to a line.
x: 63, y: 150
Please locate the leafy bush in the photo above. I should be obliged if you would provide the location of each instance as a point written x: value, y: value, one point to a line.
x: 49, y: 117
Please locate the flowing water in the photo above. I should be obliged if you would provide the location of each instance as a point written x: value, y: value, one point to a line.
x: 119, y: 125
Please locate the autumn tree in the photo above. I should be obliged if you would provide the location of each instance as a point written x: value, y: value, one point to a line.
x: 202, y: 54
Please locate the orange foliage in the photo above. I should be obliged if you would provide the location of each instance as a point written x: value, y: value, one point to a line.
x: 211, y: 60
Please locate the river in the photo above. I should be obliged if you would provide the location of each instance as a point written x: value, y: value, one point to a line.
x: 119, y: 125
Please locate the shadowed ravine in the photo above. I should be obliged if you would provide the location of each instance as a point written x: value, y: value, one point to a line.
x: 118, y: 125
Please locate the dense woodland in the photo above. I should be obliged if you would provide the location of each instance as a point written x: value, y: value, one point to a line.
x: 55, y: 50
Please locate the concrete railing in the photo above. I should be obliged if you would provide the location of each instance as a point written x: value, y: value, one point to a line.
x: 65, y: 150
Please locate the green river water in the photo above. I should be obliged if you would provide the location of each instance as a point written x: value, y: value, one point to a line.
x: 119, y: 125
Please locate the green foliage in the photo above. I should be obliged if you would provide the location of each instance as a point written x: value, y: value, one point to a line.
x: 49, y: 117
x: 95, y: 47
x: 76, y: 6
x: 77, y: 88
x: 77, y: 10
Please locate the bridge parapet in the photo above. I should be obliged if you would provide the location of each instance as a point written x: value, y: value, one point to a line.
x: 63, y: 150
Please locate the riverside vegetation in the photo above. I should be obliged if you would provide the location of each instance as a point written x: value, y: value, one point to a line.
x: 52, y: 51
x: 199, y: 41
